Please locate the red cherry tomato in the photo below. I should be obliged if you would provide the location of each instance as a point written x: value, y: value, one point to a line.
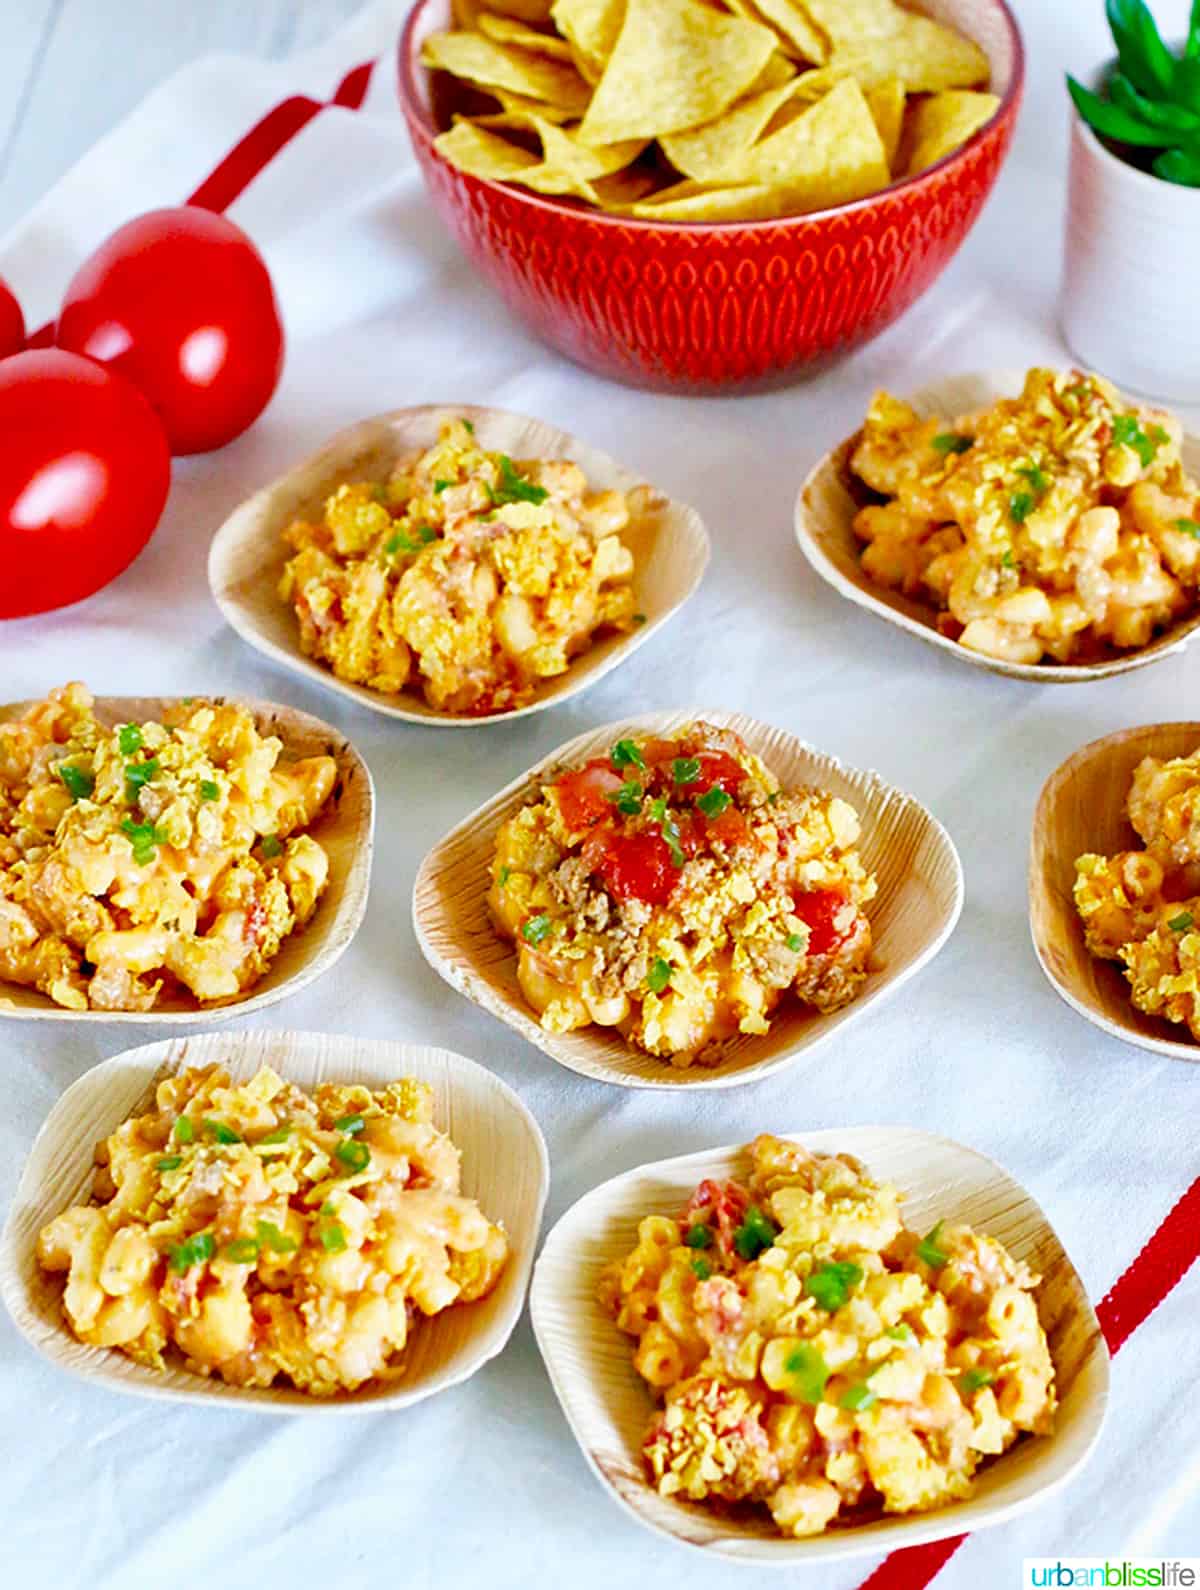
x: 819, y: 909
x: 12, y: 322
x: 639, y: 867
x: 181, y: 303
x: 84, y: 471
x: 583, y: 793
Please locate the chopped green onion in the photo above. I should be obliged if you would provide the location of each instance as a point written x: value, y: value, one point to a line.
x: 242, y: 1250
x: 756, y: 1232
x: 78, y: 781
x: 796, y: 942
x: 138, y: 774
x: 639, y: 619
x: 950, y: 442
x: 669, y: 829
x: 514, y: 487
x: 714, y: 801
x: 271, y: 846
x: 831, y: 1285
x: 808, y: 1372
x: 1180, y: 923
x: 626, y: 754
x: 129, y: 738
x: 1008, y: 561
x: 439, y: 486
x: 1020, y: 506
x: 928, y: 1251
x: 1036, y: 476
x: 210, y: 790
x: 355, y: 1156
x: 349, y: 1124
x: 702, y: 1269
x: 976, y: 1378
x: 333, y: 1238
x: 858, y: 1397
x: 271, y: 1237
x: 279, y: 1135
x: 1187, y: 527
x: 183, y: 1131
x: 628, y: 799
x: 169, y: 1162
x: 222, y: 1133
x: 1127, y: 432
x: 144, y: 838
x: 686, y: 769
x: 536, y: 929
x: 901, y: 1333
x: 698, y: 1236
x: 467, y: 426
x: 659, y: 976
x: 504, y: 875
x: 194, y: 1250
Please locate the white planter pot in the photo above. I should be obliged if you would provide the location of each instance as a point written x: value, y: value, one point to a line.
x: 1129, y: 306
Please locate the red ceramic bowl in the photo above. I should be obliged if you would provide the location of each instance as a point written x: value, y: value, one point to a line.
x: 708, y: 307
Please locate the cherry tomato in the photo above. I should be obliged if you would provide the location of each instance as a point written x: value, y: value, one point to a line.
x: 181, y: 303
x: 819, y: 908
x: 84, y: 471
x: 583, y: 793
x: 639, y: 867
x: 12, y: 322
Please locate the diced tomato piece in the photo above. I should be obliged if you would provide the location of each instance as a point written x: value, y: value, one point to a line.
x: 717, y: 767
x: 655, y: 752
x: 639, y: 867
x: 583, y: 793
x: 819, y: 909
x: 730, y: 828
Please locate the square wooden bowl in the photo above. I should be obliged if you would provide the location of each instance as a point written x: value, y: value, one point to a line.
x: 830, y: 498
x: 345, y: 830
x: 609, y: 1407
x: 919, y: 899
x: 1082, y: 809
x: 668, y: 541
x: 504, y: 1167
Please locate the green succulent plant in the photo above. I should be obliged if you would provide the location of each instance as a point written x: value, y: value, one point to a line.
x: 1153, y: 95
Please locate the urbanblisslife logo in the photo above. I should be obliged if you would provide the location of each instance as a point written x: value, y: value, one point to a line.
x: 1108, y: 1573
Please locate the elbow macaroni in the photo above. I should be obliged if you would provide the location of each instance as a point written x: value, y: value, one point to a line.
x: 152, y: 855
x: 813, y: 1356
x: 466, y: 575
x: 267, y: 1234
x: 1060, y: 524
x: 1142, y: 907
x: 674, y: 891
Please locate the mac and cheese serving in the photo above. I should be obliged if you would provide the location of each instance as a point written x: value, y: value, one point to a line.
x: 465, y: 575
x: 673, y: 890
x: 142, y: 857
x: 270, y: 1234
x: 1057, y: 525
x: 817, y: 1358
x: 1142, y: 907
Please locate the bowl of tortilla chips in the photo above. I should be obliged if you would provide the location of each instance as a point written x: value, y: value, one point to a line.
x: 697, y: 195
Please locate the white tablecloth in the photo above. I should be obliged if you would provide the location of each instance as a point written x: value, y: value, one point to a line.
x: 484, y: 1483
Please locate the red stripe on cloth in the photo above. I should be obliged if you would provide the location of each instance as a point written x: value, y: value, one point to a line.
x: 230, y: 177
x: 1133, y: 1297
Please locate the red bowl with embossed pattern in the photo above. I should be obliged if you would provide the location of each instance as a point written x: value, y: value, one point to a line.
x: 705, y: 307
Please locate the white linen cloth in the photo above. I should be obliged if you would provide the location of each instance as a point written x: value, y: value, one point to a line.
x: 484, y: 1484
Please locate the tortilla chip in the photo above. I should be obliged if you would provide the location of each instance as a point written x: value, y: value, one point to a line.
x: 796, y: 26
x: 693, y: 202
x: 505, y: 30
x: 523, y: 10
x: 778, y: 71
x: 563, y: 150
x: 943, y: 122
x: 886, y: 104
x: 874, y: 40
x: 591, y: 28
x: 676, y: 63
x: 517, y: 104
x: 490, y: 65
x: 829, y: 155
x: 706, y: 153
x: 483, y: 154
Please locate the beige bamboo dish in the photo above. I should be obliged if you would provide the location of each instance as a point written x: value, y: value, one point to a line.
x: 669, y: 544
x: 609, y: 1407
x: 1082, y: 809
x: 345, y: 831
x: 825, y: 510
x: 504, y: 1167
x: 919, y: 899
